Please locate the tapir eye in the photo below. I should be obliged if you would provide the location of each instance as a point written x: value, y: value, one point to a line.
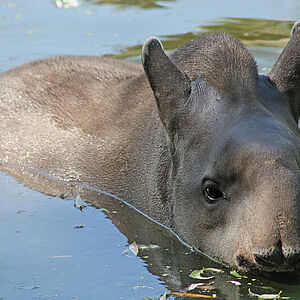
x: 212, y: 192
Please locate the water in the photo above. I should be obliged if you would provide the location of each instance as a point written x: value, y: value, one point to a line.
x: 44, y: 252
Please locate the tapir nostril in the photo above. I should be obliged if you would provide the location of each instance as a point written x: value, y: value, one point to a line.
x: 268, y: 261
x: 270, y: 258
x: 292, y: 256
x: 278, y: 258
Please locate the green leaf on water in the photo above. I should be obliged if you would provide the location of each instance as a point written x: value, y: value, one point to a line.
x: 22, y: 287
x: 197, y: 274
x: 205, y: 286
x: 148, y: 247
x: 105, y: 210
x: 164, y: 296
x: 235, y: 274
x: 267, y: 296
x: 79, y: 203
x: 212, y: 270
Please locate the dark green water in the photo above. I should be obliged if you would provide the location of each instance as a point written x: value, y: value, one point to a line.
x: 44, y: 251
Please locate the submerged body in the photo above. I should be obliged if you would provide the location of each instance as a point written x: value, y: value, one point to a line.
x: 79, y: 119
x: 214, y: 154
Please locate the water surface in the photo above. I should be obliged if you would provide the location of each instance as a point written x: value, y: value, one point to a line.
x: 51, y: 250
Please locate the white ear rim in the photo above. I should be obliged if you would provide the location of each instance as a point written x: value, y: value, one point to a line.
x: 295, y: 27
x: 150, y: 40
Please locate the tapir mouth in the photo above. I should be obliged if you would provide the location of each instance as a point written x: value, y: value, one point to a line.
x: 262, y: 266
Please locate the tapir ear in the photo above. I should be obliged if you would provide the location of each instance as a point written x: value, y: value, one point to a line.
x: 285, y: 74
x: 171, y: 88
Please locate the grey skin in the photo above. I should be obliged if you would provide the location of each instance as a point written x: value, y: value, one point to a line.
x: 214, y: 154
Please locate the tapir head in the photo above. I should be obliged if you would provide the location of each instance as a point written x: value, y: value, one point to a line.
x: 234, y: 148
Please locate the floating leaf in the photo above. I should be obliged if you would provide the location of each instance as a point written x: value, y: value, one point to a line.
x: 134, y: 248
x: 67, y: 3
x: 164, y: 296
x: 148, y: 247
x: 105, y: 210
x: 206, y: 287
x: 235, y: 282
x: 78, y: 226
x: 79, y: 203
x: 191, y: 295
x: 60, y: 256
x: 194, y: 285
x: 267, y: 296
x: 197, y: 274
x: 235, y: 274
x: 143, y: 287
x: 201, y: 285
x: 200, y: 274
x: 213, y: 270
x: 22, y: 287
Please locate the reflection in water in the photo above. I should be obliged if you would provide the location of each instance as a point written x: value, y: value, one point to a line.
x: 173, y: 261
x: 252, y: 32
x: 127, y: 3
x: 255, y: 32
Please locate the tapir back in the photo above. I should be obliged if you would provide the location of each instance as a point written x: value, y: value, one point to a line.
x: 76, y: 92
x: 78, y: 119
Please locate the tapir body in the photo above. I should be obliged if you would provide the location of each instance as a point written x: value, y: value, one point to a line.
x: 198, y: 140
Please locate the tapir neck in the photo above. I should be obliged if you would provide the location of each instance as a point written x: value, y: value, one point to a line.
x: 150, y: 158
x: 93, y: 128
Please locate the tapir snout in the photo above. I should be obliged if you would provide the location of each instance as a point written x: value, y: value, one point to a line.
x: 273, y: 242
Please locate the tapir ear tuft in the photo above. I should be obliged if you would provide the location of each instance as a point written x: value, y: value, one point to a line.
x: 170, y: 86
x: 285, y: 73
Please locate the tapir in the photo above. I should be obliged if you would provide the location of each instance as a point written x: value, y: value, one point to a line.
x: 196, y: 140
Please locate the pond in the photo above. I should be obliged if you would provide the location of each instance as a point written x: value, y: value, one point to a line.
x: 53, y: 250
